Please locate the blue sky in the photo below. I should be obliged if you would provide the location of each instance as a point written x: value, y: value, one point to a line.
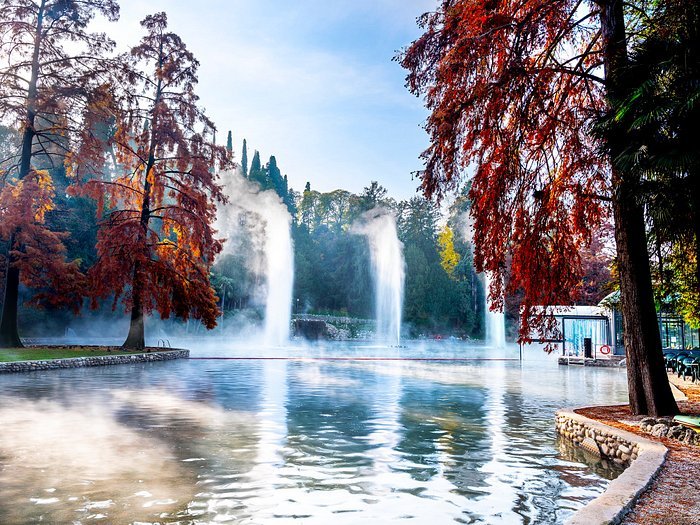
x: 309, y: 81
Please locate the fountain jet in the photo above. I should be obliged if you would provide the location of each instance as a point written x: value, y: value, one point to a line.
x: 279, y: 254
x: 272, y: 238
x: 388, y: 269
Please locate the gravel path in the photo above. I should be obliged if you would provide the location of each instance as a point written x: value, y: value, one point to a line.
x: 674, y: 497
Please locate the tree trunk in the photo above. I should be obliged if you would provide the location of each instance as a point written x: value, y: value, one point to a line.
x: 9, y: 335
x: 696, y: 220
x: 136, y: 340
x: 649, y: 390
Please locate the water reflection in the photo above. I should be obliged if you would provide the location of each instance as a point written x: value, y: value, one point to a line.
x: 310, y: 442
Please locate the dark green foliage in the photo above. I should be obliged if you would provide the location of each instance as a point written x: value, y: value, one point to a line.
x: 256, y: 173
x: 229, y: 142
x: 372, y: 196
x: 274, y: 177
x: 332, y: 272
x: 655, y: 131
x: 233, y: 281
x: 244, y: 159
x: 434, y: 301
x: 333, y: 265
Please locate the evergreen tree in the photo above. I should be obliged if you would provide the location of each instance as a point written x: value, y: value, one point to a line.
x: 275, y: 177
x: 229, y: 142
x: 244, y: 159
x: 372, y: 196
x: 260, y: 174
x: 256, y: 172
x: 288, y: 197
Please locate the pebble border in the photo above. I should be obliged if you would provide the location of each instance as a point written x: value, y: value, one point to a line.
x: 643, y: 457
x: 97, y: 360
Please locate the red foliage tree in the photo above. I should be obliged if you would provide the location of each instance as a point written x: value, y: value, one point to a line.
x: 38, y: 254
x: 156, y: 244
x: 45, y: 85
x: 513, y: 88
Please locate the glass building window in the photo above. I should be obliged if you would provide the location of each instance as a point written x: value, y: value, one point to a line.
x: 577, y: 330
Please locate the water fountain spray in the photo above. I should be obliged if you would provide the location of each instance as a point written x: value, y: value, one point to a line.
x: 388, y: 269
x: 275, y: 243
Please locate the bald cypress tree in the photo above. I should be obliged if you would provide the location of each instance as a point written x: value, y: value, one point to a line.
x: 53, y: 77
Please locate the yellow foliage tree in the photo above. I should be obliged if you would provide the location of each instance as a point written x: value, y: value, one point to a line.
x: 449, y: 258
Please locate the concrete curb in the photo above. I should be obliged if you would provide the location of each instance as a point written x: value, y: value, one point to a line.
x: 678, y: 394
x: 97, y: 360
x: 618, y: 499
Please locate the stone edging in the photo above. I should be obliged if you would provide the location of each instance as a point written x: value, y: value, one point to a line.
x: 644, y: 457
x: 97, y: 360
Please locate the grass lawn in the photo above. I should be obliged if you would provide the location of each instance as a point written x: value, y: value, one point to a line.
x: 42, y: 353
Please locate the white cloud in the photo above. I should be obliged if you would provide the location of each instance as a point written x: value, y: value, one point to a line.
x: 299, y: 81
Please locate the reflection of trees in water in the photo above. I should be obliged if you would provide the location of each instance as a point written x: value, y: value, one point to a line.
x: 546, y: 485
x: 444, y: 429
x: 328, y: 422
x: 380, y: 433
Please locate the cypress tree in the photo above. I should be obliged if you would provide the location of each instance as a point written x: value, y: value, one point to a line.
x: 244, y: 159
x: 256, y: 172
x: 255, y: 164
x: 229, y: 142
x: 274, y: 174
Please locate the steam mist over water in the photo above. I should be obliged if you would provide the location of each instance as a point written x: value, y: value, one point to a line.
x: 274, y: 242
x: 388, y: 269
x: 268, y: 441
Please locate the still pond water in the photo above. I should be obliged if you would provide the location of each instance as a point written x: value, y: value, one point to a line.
x: 300, y: 441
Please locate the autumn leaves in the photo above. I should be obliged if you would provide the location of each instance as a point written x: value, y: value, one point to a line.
x: 128, y: 133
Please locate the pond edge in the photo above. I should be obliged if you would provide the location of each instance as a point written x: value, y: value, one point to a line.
x: 96, y: 360
x: 622, y: 493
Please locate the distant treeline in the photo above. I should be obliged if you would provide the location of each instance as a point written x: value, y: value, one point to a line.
x: 332, y: 264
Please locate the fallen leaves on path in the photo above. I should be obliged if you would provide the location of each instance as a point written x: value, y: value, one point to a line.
x: 673, y: 498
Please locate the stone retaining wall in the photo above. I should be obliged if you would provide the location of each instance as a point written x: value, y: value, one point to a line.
x: 607, y: 362
x: 643, y: 459
x: 98, y: 360
x: 605, y: 444
x: 668, y: 428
